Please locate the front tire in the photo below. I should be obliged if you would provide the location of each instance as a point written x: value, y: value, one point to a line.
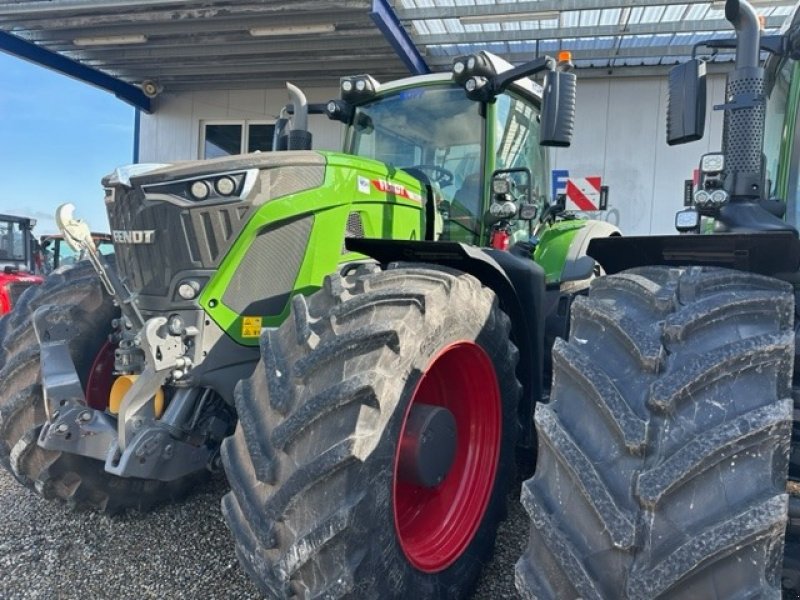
x: 320, y: 505
x: 663, y: 453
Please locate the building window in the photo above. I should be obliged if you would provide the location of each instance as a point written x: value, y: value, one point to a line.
x: 234, y: 137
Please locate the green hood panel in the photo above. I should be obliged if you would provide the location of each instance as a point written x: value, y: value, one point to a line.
x: 291, y: 242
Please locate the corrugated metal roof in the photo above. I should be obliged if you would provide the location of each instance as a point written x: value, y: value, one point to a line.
x: 201, y: 44
x: 197, y: 44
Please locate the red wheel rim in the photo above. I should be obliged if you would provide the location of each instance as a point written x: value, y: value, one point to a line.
x: 101, y: 377
x: 435, y: 525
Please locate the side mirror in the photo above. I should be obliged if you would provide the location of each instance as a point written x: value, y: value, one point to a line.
x: 558, y: 109
x: 686, y: 102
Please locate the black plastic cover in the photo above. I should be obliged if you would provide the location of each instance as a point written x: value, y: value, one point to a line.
x: 686, y: 102
x: 558, y: 109
x: 767, y: 253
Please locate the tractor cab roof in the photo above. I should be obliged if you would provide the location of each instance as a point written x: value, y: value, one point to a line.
x: 525, y: 86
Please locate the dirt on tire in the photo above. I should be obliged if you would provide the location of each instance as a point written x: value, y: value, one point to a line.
x: 663, y: 452
x: 311, y: 462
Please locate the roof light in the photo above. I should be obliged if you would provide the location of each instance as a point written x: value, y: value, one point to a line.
x: 565, y: 56
x: 465, y: 67
x: 293, y: 30
x: 110, y: 40
x: 358, y: 88
x: 544, y: 15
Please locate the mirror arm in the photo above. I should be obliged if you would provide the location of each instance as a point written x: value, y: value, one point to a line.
x: 499, y: 83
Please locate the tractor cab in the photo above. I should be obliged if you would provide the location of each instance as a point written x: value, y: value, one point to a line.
x: 16, y: 259
x: 456, y: 135
x: 54, y: 252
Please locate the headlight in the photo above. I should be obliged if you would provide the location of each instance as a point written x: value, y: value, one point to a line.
x: 712, y: 163
x: 501, y: 186
x: 199, y: 190
x: 188, y: 289
x: 225, y: 186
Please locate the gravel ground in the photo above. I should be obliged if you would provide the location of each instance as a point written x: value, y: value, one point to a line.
x: 181, y: 551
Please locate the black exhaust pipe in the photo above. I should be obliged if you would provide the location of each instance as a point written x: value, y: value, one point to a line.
x: 748, y: 32
x: 745, y: 104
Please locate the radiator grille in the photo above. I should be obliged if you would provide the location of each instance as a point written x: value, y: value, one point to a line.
x: 185, y: 238
x: 265, y: 278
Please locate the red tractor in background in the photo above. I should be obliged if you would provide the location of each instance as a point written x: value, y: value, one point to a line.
x: 17, y: 252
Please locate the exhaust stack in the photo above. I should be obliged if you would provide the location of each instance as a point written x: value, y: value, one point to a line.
x: 745, y: 108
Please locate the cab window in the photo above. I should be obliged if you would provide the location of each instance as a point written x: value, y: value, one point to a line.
x: 517, y: 142
x: 438, y: 131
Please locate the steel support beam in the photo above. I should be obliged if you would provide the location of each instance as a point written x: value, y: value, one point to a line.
x: 41, y: 56
x: 595, y: 55
x: 386, y: 20
x: 137, y: 134
x: 69, y: 6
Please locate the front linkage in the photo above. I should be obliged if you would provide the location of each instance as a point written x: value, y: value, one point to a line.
x: 139, y: 441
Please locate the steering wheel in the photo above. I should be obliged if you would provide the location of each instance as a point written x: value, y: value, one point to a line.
x: 439, y: 175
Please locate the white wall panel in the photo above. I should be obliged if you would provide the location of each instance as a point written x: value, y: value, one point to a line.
x: 620, y: 134
x: 173, y: 131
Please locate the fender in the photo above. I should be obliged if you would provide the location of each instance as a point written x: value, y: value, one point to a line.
x: 563, y: 244
x: 578, y: 248
x: 519, y: 285
x: 767, y: 253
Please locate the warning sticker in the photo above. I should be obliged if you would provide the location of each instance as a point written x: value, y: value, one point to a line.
x: 363, y: 185
x: 397, y: 189
x: 251, y: 327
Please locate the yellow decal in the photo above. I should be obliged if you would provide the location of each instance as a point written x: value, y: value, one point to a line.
x: 251, y: 327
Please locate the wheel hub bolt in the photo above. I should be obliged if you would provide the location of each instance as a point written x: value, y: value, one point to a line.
x: 62, y: 428
x: 85, y: 416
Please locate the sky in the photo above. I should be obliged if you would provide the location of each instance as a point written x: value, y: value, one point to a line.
x: 58, y: 138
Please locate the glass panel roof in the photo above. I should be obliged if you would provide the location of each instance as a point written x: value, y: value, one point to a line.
x: 599, y: 32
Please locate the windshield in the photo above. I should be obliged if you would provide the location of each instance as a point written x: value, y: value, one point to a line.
x: 12, y: 241
x: 436, y: 130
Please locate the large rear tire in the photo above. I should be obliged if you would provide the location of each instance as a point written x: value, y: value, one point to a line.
x: 663, y: 452
x: 80, y: 482
x: 320, y: 506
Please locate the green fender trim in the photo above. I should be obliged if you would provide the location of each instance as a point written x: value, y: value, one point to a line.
x: 567, y: 240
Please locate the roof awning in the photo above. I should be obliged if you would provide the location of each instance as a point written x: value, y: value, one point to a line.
x: 131, y: 46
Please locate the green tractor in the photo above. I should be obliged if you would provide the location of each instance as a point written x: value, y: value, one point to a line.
x: 377, y: 435
x: 119, y: 374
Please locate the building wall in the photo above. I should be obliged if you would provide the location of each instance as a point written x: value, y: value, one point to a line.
x: 620, y: 134
x: 172, y: 132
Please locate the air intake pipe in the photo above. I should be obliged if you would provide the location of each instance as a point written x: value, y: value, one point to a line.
x: 299, y: 135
